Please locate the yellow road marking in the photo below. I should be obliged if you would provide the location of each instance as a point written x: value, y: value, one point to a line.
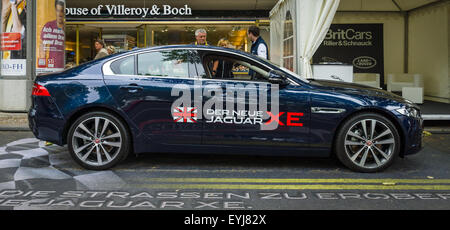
x: 389, y: 183
x: 295, y: 184
x: 291, y: 181
x: 292, y: 187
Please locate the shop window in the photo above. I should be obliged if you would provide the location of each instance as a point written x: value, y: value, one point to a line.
x: 288, y: 43
x: 124, y: 66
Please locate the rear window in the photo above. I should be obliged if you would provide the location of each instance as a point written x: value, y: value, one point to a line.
x: 124, y: 66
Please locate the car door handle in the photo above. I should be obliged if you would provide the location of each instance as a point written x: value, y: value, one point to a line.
x: 132, y: 88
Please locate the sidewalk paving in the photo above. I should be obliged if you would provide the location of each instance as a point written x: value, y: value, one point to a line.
x: 13, y: 121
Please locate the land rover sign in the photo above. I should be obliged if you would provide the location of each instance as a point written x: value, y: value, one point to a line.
x: 364, y: 62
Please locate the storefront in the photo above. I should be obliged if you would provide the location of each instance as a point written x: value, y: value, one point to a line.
x: 16, y: 54
x: 36, y: 42
x: 146, y: 23
x: 285, y: 26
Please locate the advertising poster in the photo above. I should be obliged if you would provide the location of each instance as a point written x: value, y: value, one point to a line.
x: 12, y: 37
x: 50, y: 46
x: 360, y: 45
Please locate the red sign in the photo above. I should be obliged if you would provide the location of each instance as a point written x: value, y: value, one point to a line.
x: 11, y: 41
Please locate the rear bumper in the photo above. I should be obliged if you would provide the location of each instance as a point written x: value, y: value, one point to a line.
x: 45, y: 120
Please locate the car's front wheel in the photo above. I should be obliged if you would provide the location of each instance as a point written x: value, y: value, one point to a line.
x: 98, y: 141
x: 367, y: 142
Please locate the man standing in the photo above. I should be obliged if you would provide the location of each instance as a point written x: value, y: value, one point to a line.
x: 200, y: 40
x: 259, y: 46
x: 200, y: 37
x: 101, y: 50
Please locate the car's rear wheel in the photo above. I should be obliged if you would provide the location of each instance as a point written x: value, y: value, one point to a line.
x: 98, y: 141
x: 367, y: 142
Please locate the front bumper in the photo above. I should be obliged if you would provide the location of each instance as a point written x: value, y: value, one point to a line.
x: 413, y: 135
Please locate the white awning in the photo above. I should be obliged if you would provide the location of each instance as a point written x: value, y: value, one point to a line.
x: 311, y: 20
x: 374, y: 5
x: 382, y: 5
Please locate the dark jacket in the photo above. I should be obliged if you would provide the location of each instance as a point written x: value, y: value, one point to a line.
x: 254, y: 51
x: 256, y: 44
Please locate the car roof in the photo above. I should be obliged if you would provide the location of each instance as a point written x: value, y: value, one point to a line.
x: 200, y: 47
x: 192, y: 46
x: 135, y: 51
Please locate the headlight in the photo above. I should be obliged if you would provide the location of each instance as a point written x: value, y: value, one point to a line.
x: 409, y: 111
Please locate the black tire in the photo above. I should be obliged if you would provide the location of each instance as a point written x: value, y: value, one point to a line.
x: 114, y: 126
x: 374, y: 151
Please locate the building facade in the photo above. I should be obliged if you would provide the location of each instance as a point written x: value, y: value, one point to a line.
x: 123, y: 25
x: 415, y: 36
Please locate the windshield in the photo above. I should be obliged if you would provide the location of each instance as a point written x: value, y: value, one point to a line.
x: 293, y: 74
x: 283, y: 69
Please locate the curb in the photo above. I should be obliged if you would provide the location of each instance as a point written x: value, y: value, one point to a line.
x: 14, y: 121
x: 9, y: 129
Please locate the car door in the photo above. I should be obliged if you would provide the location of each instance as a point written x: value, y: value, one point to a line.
x: 289, y: 116
x: 142, y: 86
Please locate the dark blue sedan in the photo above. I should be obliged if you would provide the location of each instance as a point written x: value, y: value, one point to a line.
x: 201, y: 99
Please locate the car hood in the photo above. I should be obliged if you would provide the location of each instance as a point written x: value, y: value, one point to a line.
x: 353, y: 88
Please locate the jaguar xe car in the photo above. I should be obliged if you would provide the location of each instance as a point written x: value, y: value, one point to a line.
x: 211, y: 100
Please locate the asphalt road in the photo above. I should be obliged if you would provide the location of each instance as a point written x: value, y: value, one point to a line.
x: 35, y: 176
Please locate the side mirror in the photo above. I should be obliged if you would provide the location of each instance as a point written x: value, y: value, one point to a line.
x: 278, y: 77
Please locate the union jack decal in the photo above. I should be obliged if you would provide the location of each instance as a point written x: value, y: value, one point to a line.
x: 185, y: 114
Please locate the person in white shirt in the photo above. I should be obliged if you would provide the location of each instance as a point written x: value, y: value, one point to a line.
x: 259, y: 46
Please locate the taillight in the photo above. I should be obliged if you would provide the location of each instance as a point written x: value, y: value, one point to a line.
x: 39, y: 90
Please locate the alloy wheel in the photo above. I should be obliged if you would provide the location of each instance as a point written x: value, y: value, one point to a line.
x: 370, y: 143
x: 97, y: 141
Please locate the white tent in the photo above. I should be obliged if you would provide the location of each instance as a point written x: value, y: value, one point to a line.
x: 383, y: 5
x: 311, y: 18
x: 416, y: 36
x: 297, y: 30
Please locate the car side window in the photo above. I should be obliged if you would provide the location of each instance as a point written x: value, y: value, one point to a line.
x: 200, y: 70
x: 234, y: 68
x: 170, y: 63
x: 124, y: 66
